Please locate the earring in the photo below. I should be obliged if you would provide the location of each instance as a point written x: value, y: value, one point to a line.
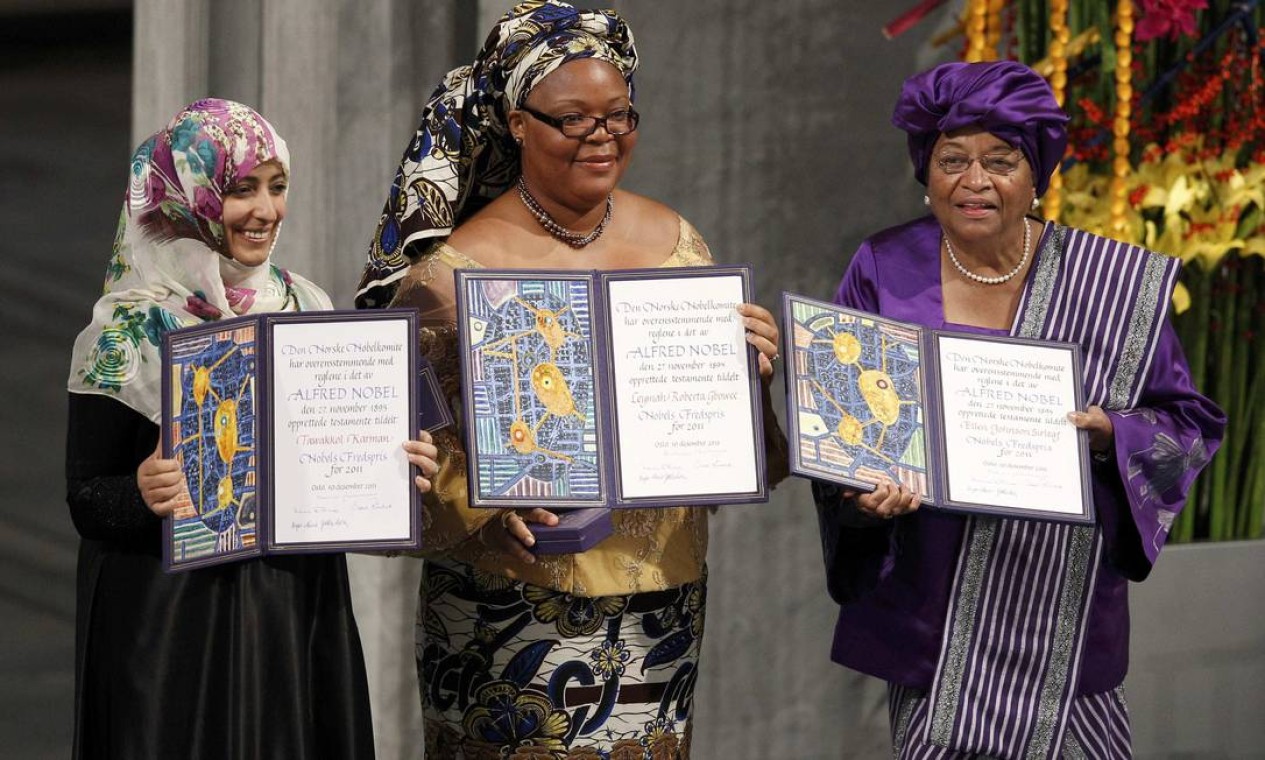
x: 926, y: 200
x: 1036, y: 203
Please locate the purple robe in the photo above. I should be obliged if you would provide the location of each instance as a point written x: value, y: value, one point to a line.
x: 894, y: 579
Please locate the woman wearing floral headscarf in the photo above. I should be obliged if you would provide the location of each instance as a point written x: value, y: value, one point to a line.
x: 258, y: 659
x: 516, y: 164
x: 1001, y: 637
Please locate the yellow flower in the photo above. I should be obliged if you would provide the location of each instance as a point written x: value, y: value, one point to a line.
x: 1162, y: 178
x: 1084, y: 204
x: 1254, y: 246
x: 1213, y: 233
x: 1182, y: 195
x: 1237, y: 190
x: 1166, y: 239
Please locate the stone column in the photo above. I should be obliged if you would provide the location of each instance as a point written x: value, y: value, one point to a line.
x: 169, y: 62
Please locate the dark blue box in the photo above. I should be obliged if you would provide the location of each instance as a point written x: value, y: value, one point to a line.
x: 577, y: 530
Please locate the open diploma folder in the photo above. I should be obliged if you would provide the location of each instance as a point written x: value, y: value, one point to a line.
x: 631, y: 388
x: 975, y: 423
x: 289, y: 428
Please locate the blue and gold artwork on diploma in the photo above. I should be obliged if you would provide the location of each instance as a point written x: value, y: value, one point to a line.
x: 857, y: 396
x: 213, y: 436
x: 531, y: 369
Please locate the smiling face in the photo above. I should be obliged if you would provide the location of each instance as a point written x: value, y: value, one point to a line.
x: 575, y: 172
x: 978, y: 206
x: 253, y: 210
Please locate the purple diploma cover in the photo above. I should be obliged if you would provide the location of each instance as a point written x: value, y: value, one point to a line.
x: 432, y: 410
x: 288, y: 428
x: 974, y: 423
x: 631, y: 388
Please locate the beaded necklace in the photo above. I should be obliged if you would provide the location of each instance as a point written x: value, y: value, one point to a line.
x: 570, y: 237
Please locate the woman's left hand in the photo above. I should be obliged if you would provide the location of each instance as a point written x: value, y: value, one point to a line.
x: 762, y: 333
x: 1102, y: 435
x: 423, y: 455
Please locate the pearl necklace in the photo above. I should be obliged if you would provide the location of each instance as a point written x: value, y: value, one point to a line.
x: 999, y: 279
x: 570, y: 237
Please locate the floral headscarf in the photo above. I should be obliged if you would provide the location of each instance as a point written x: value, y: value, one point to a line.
x: 166, y: 271
x: 462, y: 155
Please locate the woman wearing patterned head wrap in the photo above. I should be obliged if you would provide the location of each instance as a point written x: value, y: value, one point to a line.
x: 1034, y: 670
x: 516, y: 163
x: 257, y: 659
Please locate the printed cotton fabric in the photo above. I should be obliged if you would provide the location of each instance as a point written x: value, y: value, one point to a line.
x: 513, y: 670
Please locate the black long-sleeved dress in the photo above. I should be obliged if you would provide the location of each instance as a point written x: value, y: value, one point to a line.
x: 255, y: 659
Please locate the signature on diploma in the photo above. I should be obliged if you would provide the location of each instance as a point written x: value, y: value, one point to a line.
x: 666, y: 472
x: 319, y: 525
x: 369, y: 505
x: 316, y: 509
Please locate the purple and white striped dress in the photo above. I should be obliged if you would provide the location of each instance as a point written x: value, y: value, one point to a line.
x: 1009, y: 638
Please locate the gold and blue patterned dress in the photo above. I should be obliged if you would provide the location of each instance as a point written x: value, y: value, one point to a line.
x: 578, y: 655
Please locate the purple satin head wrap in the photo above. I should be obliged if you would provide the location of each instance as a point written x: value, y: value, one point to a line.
x: 1005, y: 98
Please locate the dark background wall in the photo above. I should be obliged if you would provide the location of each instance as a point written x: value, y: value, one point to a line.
x: 65, y: 84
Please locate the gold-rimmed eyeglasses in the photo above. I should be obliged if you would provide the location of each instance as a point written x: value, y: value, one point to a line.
x: 1000, y: 166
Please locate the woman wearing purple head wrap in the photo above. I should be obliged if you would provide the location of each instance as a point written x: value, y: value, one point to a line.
x: 516, y: 164
x: 1000, y: 637
x: 257, y: 659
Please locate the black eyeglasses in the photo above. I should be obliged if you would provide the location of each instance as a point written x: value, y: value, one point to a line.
x: 616, y: 123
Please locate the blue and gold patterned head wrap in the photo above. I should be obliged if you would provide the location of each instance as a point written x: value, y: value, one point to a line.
x: 462, y: 155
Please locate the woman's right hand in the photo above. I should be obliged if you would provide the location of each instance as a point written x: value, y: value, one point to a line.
x: 160, y: 482
x: 509, y: 532
x: 888, y: 500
